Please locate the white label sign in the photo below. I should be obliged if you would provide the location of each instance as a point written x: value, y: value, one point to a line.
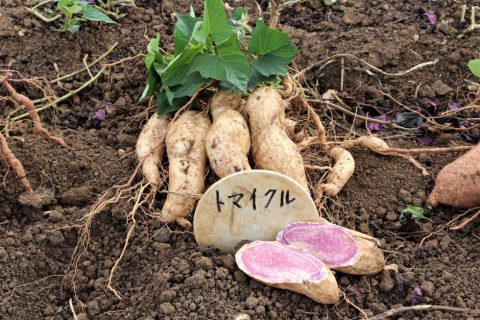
x: 250, y: 205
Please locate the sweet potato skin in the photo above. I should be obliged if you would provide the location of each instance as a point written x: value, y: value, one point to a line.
x: 372, y: 259
x: 272, y: 148
x: 228, y: 139
x: 341, y: 172
x: 185, y: 142
x: 458, y: 183
x: 150, y: 148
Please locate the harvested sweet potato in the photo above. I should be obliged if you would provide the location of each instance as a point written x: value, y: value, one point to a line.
x: 281, y: 266
x: 185, y: 142
x: 341, y: 172
x: 150, y: 148
x: 458, y: 183
x: 271, y: 146
x: 339, y: 248
x: 228, y: 139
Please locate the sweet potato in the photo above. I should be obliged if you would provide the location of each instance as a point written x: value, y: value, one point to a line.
x: 341, y: 249
x: 294, y: 131
x: 150, y: 148
x: 271, y: 147
x: 458, y: 183
x: 286, y: 267
x: 185, y: 142
x: 228, y: 139
x: 341, y: 172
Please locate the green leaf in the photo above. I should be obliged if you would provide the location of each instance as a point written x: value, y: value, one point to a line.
x: 239, y: 13
x: 416, y: 212
x: 274, y: 50
x: 183, y: 32
x: 151, y: 86
x: 215, y: 23
x: 93, y: 14
x: 177, y: 68
x: 474, y: 66
x: 408, y: 119
x: 229, y: 64
x: 152, y: 52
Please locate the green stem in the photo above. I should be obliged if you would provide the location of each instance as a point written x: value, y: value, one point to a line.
x: 100, y: 58
x: 109, y: 13
x: 462, y: 14
x: 33, y: 10
x: 65, y: 97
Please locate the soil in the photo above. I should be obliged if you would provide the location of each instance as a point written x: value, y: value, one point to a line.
x: 164, y: 274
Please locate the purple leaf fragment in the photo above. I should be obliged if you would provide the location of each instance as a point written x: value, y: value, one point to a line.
x: 100, y: 114
x: 416, y: 296
x: 373, y: 126
x: 431, y: 17
x: 453, y: 106
x: 467, y: 136
x: 430, y: 103
x: 426, y: 140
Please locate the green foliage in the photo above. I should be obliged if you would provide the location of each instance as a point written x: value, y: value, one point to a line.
x: 334, y: 4
x: 71, y: 13
x: 76, y: 11
x: 474, y: 66
x: 209, y: 49
x: 416, y: 212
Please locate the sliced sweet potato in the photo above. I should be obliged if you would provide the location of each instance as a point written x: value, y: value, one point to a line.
x: 339, y: 248
x: 281, y: 266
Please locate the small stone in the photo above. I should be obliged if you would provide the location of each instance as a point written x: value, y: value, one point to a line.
x: 56, y: 238
x: 427, y: 287
x: 93, y: 308
x: 460, y: 303
x: 240, y: 276
x: 3, y: 252
x: 351, y: 16
x: 417, y: 202
x: 221, y: 273
x: 167, y: 295
x: 391, y: 216
x: 161, y: 247
x: 121, y: 153
x: 82, y: 316
x: 167, y: 308
x: 441, y: 88
x: 205, y: 263
x: 228, y: 261
x: 251, y: 302
x: 55, y: 216
x: 387, y: 283
x: 380, y: 211
x: 242, y: 316
x: 259, y: 310
x: 196, y: 281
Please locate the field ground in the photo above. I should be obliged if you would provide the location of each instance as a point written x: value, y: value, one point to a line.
x: 164, y: 275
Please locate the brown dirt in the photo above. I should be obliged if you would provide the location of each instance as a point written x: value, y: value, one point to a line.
x: 164, y: 274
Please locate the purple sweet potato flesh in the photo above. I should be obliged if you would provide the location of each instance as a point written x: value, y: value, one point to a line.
x: 341, y: 249
x: 286, y: 267
x: 332, y: 244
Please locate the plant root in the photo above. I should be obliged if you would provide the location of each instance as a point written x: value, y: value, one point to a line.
x: 31, y: 111
x: 421, y: 307
x: 466, y: 222
x: 12, y: 161
x: 377, y: 145
x: 294, y: 92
